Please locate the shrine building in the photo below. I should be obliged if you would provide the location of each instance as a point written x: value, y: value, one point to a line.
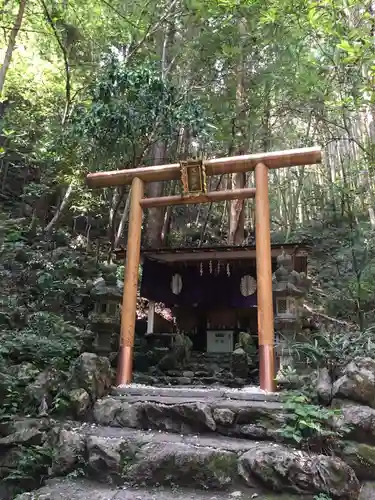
x: 212, y: 291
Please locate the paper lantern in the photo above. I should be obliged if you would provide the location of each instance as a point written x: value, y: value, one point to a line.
x: 176, y: 284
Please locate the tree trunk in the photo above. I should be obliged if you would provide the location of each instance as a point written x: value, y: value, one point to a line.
x: 155, y: 221
x: 123, y: 220
x: 11, y: 44
x: 237, y: 207
x: 114, y: 203
x: 237, y: 213
x: 166, y: 226
x: 64, y: 203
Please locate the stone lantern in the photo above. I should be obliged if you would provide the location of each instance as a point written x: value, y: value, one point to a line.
x: 289, y: 290
x: 105, y: 318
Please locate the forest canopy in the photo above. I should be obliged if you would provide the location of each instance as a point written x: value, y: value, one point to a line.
x: 104, y: 85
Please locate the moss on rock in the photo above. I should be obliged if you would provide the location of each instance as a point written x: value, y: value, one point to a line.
x: 223, y: 466
x: 360, y: 456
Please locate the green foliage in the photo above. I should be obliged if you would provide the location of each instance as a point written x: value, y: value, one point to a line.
x: 48, y: 343
x: 130, y: 108
x: 61, y: 404
x: 334, y: 348
x: 57, y: 350
x: 96, y: 85
x: 344, y: 254
x: 44, y: 298
x: 310, y: 425
x: 32, y: 468
x: 322, y: 496
x: 13, y: 397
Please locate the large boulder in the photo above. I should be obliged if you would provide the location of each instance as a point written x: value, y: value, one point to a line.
x: 168, y: 362
x: 224, y: 416
x: 284, y: 469
x: 367, y: 491
x: 69, y: 451
x: 357, y: 382
x: 28, y: 436
x: 25, y: 431
x: 360, y: 456
x: 359, y: 421
x: 201, y: 467
x: 23, y: 437
x: 259, y: 422
x: 9, y: 462
x: 117, y: 413
x: 178, y: 355
x: 107, y: 458
x: 182, y: 417
x: 116, y: 459
x: 80, y: 402
x: 93, y: 374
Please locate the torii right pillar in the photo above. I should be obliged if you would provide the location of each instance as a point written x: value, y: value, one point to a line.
x: 264, y: 280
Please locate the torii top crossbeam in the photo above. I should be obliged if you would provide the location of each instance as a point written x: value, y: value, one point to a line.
x: 217, y: 166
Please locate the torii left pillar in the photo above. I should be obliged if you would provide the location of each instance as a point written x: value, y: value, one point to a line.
x: 129, y: 299
x: 264, y: 280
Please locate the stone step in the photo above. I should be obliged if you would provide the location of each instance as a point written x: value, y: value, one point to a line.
x: 132, y: 457
x: 257, y: 420
x: 251, y: 393
x: 206, y: 380
x: 68, y: 489
x: 253, y: 420
x: 249, y: 413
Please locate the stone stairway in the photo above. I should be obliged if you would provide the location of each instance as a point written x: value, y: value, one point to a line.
x: 202, y: 369
x: 250, y: 414
x: 216, y: 444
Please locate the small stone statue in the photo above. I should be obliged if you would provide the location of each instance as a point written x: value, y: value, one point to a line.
x: 43, y: 407
x: 245, y: 341
x: 240, y: 363
x: 182, y: 347
x: 179, y: 354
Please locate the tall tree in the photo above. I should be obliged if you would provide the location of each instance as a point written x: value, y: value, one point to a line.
x: 237, y: 207
x: 11, y: 44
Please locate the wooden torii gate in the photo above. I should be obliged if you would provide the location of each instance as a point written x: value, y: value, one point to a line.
x: 195, y: 193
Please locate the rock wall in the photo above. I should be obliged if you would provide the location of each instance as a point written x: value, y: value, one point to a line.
x: 203, y: 443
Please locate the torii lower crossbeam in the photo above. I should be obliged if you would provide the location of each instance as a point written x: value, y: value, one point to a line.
x: 261, y: 163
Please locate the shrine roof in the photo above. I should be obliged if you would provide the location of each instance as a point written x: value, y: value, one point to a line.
x: 188, y: 254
